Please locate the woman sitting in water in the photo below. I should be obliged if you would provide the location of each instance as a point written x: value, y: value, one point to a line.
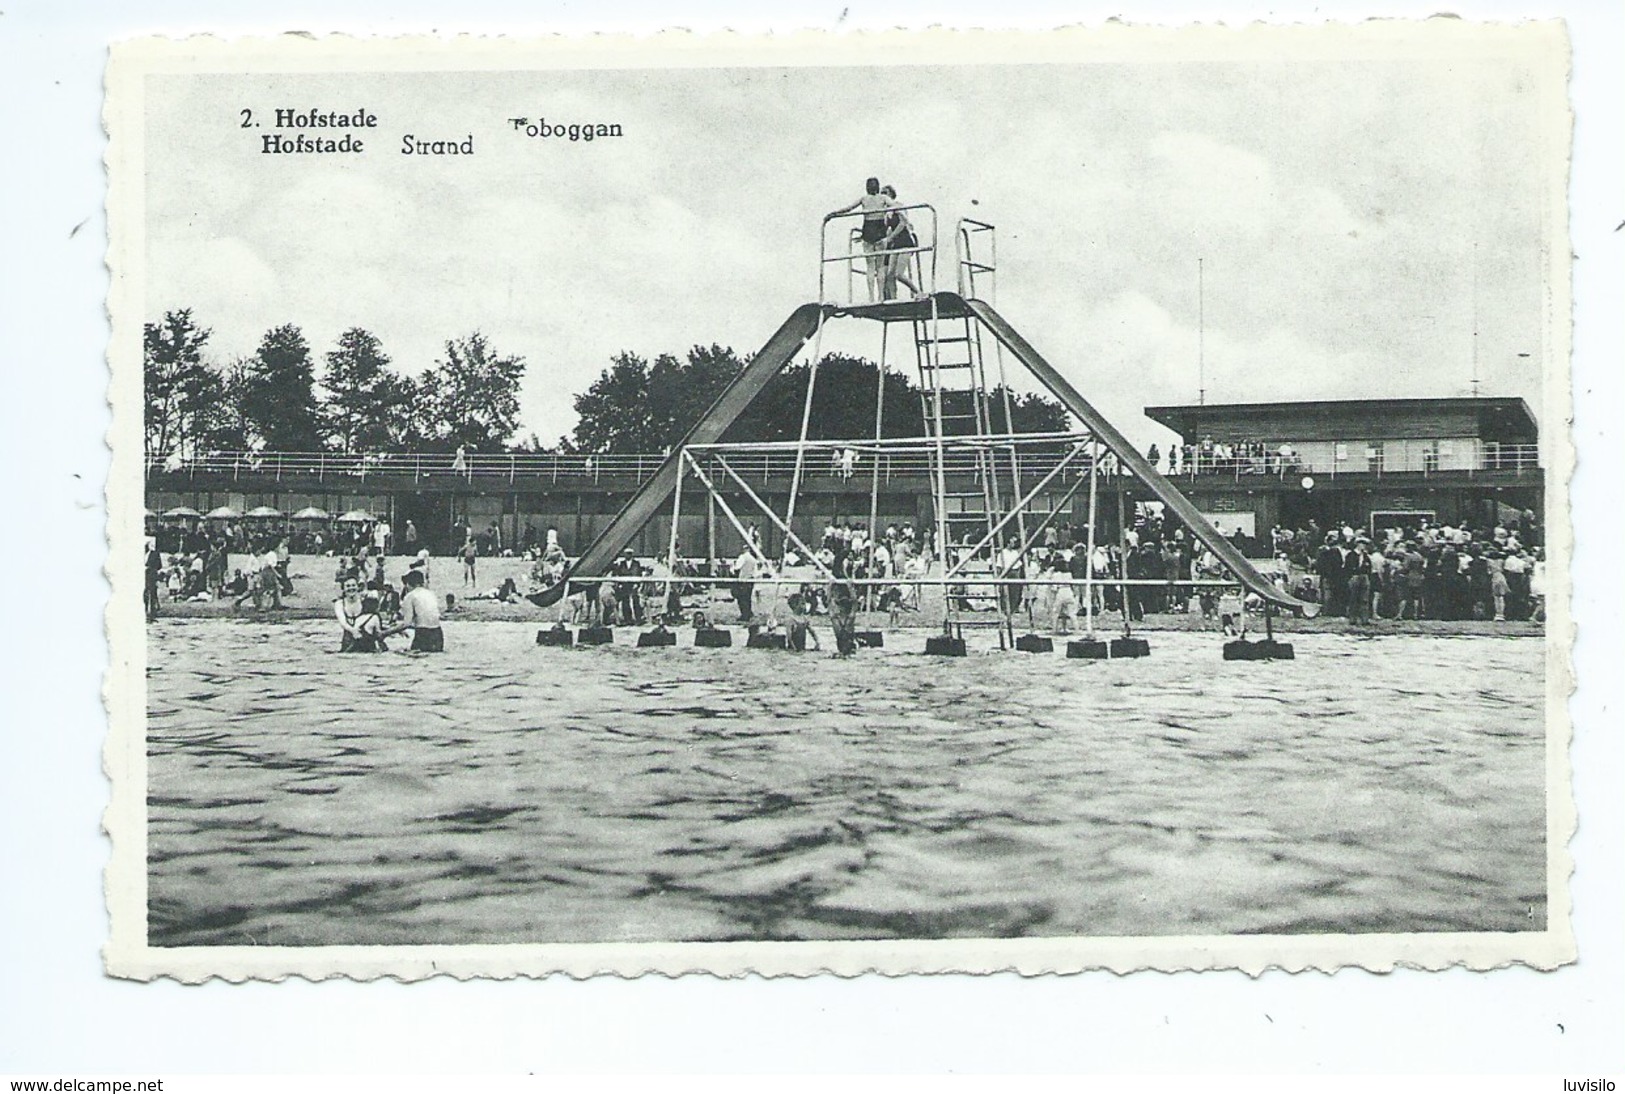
x: 347, y: 609
x: 369, y: 629
x: 799, y: 634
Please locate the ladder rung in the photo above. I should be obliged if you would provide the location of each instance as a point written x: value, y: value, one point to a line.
x: 928, y: 341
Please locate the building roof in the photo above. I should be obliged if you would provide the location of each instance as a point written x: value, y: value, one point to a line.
x: 1507, y: 414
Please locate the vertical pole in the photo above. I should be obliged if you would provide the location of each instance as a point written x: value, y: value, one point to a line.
x: 710, y: 528
x: 1122, y: 560
x: 1089, y: 567
x: 1201, y: 338
x: 942, y: 479
x: 676, y: 515
x: 874, y: 471
x: 806, y: 418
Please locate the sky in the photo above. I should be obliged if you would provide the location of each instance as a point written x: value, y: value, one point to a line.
x: 1364, y: 228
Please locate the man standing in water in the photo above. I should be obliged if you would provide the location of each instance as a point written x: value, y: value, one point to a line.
x: 744, y: 586
x: 155, y: 567
x: 420, y: 614
x: 843, y: 609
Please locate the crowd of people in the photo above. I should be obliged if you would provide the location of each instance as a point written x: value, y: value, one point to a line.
x: 1422, y: 571
x: 1209, y: 457
x: 196, y: 568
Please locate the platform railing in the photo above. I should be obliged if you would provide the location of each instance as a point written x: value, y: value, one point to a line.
x: 849, y: 253
x: 978, y: 264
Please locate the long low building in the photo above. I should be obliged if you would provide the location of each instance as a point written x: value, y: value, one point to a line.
x: 1365, y: 462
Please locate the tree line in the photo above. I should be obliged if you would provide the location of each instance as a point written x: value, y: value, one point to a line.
x: 280, y: 398
x: 637, y: 405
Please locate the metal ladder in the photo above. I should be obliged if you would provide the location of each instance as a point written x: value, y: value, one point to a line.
x: 955, y: 402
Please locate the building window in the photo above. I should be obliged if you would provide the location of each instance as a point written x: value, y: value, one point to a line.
x: 1430, y: 456
x: 1373, y: 457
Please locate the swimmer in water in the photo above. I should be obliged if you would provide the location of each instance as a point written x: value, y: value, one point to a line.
x: 799, y: 634
x: 843, y: 608
x: 369, y: 629
x: 346, y: 609
x: 420, y: 614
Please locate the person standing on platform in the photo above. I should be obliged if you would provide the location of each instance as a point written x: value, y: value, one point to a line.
x: 900, y: 237
x: 873, y: 234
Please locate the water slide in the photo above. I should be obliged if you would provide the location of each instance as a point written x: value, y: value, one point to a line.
x: 1166, y: 492
x: 655, y: 494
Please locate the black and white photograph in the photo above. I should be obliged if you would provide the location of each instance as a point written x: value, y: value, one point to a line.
x: 919, y: 502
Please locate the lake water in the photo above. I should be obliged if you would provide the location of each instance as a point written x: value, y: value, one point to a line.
x: 508, y: 793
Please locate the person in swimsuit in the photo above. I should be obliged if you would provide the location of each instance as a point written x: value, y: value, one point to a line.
x: 369, y: 629
x: 899, y: 237
x: 799, y: 633
x: 874, y: 205
x: 154, y: 569
x: 420, y: 614
x: 843, y: 609
x: 346, y: 609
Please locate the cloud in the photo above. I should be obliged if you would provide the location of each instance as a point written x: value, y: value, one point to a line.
x: 1336, y: 211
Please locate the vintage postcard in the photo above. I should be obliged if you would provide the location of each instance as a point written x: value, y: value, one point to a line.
x: 904, y: 502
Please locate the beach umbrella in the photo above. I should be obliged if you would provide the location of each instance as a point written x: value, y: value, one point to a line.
x: 182, y: 511
x: 357, y: 516
x: 225, y: 512
x: 310, y: 512
x: 264, y: 511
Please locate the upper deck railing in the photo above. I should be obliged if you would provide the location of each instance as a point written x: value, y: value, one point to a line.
x: 575, y: 470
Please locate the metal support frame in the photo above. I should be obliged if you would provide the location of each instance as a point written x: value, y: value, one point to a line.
x: 727, y: 510
x: 783, y: 526
x: 806, y: 416
x: 1016, y: 509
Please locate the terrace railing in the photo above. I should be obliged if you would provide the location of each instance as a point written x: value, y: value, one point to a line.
x: 1480, y: 457
x: 530, y: 468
